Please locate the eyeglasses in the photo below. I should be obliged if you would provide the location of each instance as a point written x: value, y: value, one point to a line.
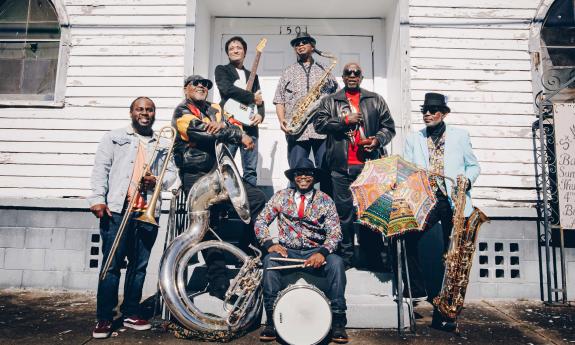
x: 202, y: 82
x: 303, y: 42
x: 304, y: 173
x: 352, y: 72
x: 431, y: 110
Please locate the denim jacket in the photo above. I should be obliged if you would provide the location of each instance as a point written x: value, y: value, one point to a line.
x: 113, y: 167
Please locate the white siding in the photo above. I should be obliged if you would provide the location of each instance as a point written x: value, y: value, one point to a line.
x: 120, y: 49
x: 476, y: 52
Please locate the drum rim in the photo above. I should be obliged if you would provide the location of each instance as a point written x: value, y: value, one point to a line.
x: 305, y: 286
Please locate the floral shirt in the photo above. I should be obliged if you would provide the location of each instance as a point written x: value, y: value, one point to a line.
x: 294, y: 84
x: 319, y: 226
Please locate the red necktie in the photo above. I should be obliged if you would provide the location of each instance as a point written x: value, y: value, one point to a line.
x: 301, y: 207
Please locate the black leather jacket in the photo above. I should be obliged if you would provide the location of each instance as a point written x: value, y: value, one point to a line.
x: 329, y: 119
x: 194, y: 149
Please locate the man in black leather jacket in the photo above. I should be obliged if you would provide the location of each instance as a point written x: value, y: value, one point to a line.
x: 358, y: 125
x: 199, y: 125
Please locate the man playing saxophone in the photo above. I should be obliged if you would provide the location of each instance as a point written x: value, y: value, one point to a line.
x: 295, y: 83
x: 358, y: 125
x: 444, y: 150
x: 118, y: 168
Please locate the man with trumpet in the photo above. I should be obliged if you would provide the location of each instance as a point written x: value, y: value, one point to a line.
x: 358, y: 126
x: 200, y: 124
x: 125, y: 168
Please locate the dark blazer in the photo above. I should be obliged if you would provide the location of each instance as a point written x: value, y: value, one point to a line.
x: 225, y: 76
x: 329, y: 119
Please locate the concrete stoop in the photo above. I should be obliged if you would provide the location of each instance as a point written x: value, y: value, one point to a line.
x: 369, y: 298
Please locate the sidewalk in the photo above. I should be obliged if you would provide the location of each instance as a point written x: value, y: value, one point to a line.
x: 57, y: 317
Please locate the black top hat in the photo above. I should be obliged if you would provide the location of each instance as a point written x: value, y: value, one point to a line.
x: 435, y: 100
x: 302, y: 36
x: 307, y: 165
x: 197, y: 77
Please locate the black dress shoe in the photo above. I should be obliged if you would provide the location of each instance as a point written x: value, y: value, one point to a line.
x: 339, y: 335
x: 268, y: 333
x: 442, y: 323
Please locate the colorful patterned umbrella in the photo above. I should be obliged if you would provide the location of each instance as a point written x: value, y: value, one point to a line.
x: 393, y: 196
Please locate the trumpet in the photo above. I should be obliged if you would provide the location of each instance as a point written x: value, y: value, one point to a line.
x: 148, y: 210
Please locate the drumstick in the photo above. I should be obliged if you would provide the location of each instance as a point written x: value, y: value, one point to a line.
x: 287, y: 259
x: 286, y: 267
x: 291, y: 266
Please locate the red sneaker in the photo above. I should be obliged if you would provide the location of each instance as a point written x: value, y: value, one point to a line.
x: 102, y: 330
x: 137, y: 323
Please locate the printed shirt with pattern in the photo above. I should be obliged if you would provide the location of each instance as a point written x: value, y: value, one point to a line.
x: 319, y: 226
x: 293, y: 85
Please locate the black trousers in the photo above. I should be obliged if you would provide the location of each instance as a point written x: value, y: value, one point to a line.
x: 370, y: 242
x: 425, y: 251
x: 215, y: 260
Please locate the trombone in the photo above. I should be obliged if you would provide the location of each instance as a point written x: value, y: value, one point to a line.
x: 149, y: 210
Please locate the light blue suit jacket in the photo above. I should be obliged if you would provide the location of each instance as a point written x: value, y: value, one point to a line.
x: 458, y: 157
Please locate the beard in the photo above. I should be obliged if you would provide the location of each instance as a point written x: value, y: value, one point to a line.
x: 143, y: 130
x: 302, y: 190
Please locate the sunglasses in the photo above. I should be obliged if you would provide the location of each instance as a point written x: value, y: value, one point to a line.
x: 304, y: 173
x: 201, y: 82
x: 351, y: 72
x: 302, y: 42
x: 431, y: 110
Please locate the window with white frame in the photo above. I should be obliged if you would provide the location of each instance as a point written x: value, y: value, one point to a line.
x: 30, y: 35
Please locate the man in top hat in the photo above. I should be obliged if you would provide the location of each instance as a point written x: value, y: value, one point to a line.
x: 359, y: 126
x: 308, y: 229
x: 444, y: 150
x: 231, y: 80
x: 294, y: 84
x: 200, y: 124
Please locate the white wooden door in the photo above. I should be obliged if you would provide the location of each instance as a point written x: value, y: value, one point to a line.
x: 331, y: 37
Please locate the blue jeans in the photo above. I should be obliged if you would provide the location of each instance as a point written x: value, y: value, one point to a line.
x: 249, y: 161
x: 333, y: 271
x: 136, y: 245
x: 301, y: 149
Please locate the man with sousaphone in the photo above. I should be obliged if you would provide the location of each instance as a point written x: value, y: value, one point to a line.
x: 309, y: 233
x: 130, y: 163
x: 199, y: 125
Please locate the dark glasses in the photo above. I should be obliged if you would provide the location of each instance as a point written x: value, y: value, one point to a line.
x: 432, y: 110
x: 302, y: 42
x: 352, y: 72
x: 202, y: 82
x: 304, y: 173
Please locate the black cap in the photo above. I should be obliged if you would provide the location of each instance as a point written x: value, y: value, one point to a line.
x: 197, y: 77
x: 302, y: 36
x: 436, y: 100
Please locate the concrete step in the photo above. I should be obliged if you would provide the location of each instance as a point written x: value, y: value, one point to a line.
x: 368, y: 294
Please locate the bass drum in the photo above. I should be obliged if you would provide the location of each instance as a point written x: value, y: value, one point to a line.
x: 302, y: 315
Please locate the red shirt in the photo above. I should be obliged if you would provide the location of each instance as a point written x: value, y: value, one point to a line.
x: 352, y: 156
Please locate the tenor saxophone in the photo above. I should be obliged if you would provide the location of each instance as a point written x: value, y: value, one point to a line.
x: 459, y: 258
x: 306, y: 106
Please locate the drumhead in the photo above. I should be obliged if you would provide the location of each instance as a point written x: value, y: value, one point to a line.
x: 302, y: 315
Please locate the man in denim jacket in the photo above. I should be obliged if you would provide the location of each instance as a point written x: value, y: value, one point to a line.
x: 118, y: 169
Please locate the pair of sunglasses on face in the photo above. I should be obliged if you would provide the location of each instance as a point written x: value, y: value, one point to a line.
x: 351, y: 72
x: 203, y: 83
x: 303, y: 42
x: 431, y: 110
x: 303, y: 173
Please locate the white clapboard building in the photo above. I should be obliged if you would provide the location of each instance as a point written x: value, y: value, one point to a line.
x: 70, y: 68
